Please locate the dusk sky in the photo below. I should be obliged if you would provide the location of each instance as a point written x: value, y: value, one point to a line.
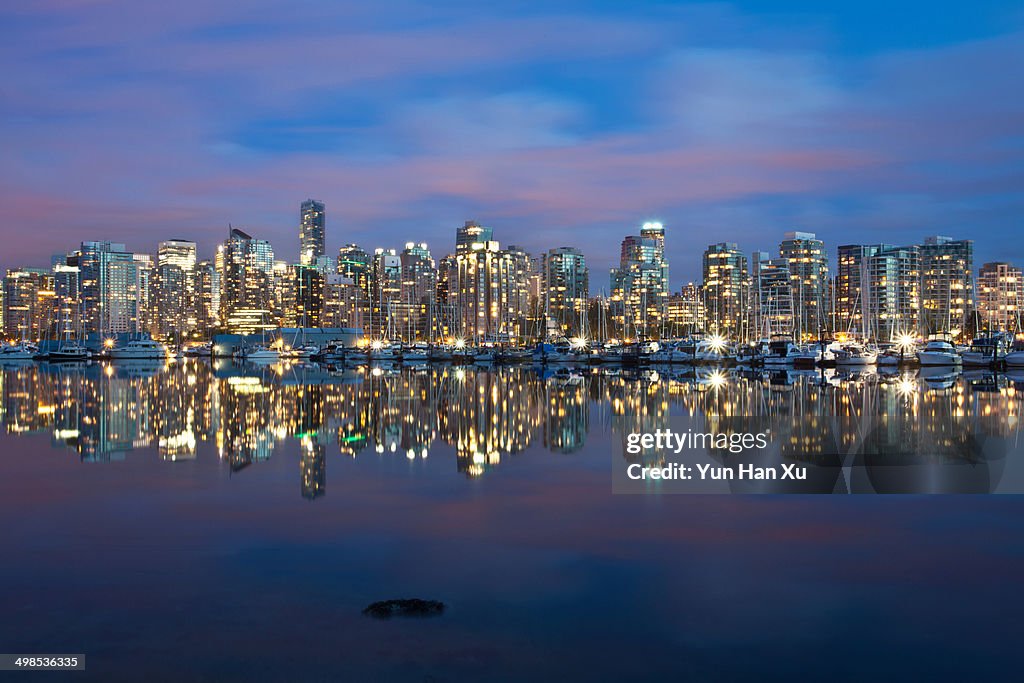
x: 567, y: 123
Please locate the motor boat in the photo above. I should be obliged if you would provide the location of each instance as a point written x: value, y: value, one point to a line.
x: 938, y: 352
x: 855, y: 355
x: 261, y: 354
x: 22, y: 351
x: 70, y: 352
x: 984, y: 352
x: 712, y: 351
x: 198, y: 351
x: 671, y: 353
x: 303, y: 352
x: 1015, y: 359
x: 139, y: 349
x: 417, y: 353
x: 779, y: 352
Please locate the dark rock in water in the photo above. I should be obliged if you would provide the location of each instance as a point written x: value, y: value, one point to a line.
x: 412, y: 607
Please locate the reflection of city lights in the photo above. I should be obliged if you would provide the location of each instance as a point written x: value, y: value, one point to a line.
x: 906, y: 386
x: 717, y: 379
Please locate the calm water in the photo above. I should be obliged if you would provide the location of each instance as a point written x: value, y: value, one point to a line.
x: 231, y: 523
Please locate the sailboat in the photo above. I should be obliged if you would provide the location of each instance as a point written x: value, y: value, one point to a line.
x: 69, y: 348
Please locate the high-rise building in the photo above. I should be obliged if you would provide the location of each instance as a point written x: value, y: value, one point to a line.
x: 386, y: 296
x: 809, y: 280
x: 771, y: 296
x: 312, y: 223
x: 207, y: 291
x: 686, y: 311
x: 878, y: 291
x: 639, y: 286
x: 488, y: 289
x: 726, y: 289
x: 356, y: 264
x: 28, y: 303
x: 247, y: 276
x: 1000, y: 297
x: 471, y: 233
x: 309, y: 285
x: 947, y: 285
x: 419, y: 288
x: 174, y: 289
x: 114, y: 287
x: 565, y: 287
x: 344, y: 302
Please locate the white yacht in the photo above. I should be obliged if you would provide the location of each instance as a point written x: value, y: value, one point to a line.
x: 22, y: 351
x: 855, y: 355
x: 1015, y: 359
x: 938, y: 352
x: 779, y: 352
x: 262, y: 354
x: 139, y: 349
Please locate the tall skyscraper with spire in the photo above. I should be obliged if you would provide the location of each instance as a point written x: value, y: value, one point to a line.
x: 312, y: 224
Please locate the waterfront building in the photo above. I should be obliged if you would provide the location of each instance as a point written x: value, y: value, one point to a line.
x: 639, y: 286
x: 28, y: 303
x: 247, y: 278
x: 418, y: 292
x: 807, y: 259
x: 947, y: 285
x: 488, y: 289
x: 878, y: 291
x: 565, y: 287
x: 114, y: 288
x: 1000, y: 297
x: 312, y: 224
x: 207, y: 291
x: 386, y: 295
x: 308, y: 283
x: 726, y: 290
x: 174, y: 287
x: 772, y: 297
x: 685, y: 311
x: 344, y: 302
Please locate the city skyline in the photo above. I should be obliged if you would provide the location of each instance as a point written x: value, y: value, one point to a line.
x: 560, y: 126
x: 482, y: 290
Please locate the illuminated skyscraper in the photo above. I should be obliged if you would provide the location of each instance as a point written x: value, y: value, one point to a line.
x: 878, y: 291
x: 726, y: 289
x: 639, y: 286
x: 207, y: 290
x: 1000, y: 297
x: 312, y: 223
x: 772, y: 300
x: 419, y: 287
x: 488, y: 288
x: 565, y: 285
x: 809, y: 280
x: 471, y: 233
x: 947, y: 284
x: 28, y: 302
x: 174, y: 287
x: 246, y: 267
x: 114, y: 285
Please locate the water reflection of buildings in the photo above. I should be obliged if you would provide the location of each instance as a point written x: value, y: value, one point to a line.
x: 104, y: 411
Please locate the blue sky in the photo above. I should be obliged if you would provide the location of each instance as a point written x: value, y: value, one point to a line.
x: 555, y: 123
